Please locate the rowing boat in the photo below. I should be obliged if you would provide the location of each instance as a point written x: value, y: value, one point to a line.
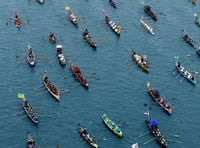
x: 30, y: 56
x: 187, y: 38
x: 52, y: 37
x: 28, y: 109
x: 112, y: 3
x: 160, y: 100
x: 60, y: 55
x: 40, y: 1
x: 52, y: 89
x: 89, y: 39
x: 71, y: 15
x: 190, y: 76
x: 78, y: 75
x: 155, y: 131
x: 193, y: 1
x: 111, y: 125
x: 197, y: 19
x: 17, y: 19
x: 146, y: 26
x: 30, y: 141
x: 142, y: 61
x: 198, y: 51
x: 86, y: 136
x: 116, y: 28
x: 149, y: 11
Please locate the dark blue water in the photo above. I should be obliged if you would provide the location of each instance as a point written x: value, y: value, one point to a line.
x: 120, y: 90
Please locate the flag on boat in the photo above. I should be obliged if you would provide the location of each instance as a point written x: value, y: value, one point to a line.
x: 146, y: 113
x: 21, y: 96
x: 135, y: 145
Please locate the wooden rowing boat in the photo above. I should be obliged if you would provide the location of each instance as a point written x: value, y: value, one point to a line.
x: 190, y: 76
x: 40, y: 1
x: 111, y: 125
x: 78, y: 75
x: 155, y: 132
x: 197, y: 19
x: 52, y: 37
x: 73, y: 18
x: 30, y: 141
x: 149, y: 11
x: 30, y: 56
x: 89, y: 39
x: 86, y: 136
x: 188, y: 39
x: 30, y: 111
x: 116, y: 28
x: 160, y: 100
x: 17, y: 19
x: 60, y: 55
x: 142, y: 61
x: 146, y: 26
x: 52, y: 89
x: 112, y: 3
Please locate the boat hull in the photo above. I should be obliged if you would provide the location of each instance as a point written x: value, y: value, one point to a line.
x: 47, y: 85
x: 111, y: 125
x: 159, y: 100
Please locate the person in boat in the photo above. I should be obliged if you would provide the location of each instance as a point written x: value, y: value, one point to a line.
x: 85, y: 33
x: 26, y: 103
x: 179, y: 64
x: 107, y: 19
x: 17, y: 19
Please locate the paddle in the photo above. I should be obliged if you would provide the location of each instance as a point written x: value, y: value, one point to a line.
x: 19, y: 113
x: 150, y: 140
x: 174, y: 141
x: 174, y: 135
x: 144, y: 134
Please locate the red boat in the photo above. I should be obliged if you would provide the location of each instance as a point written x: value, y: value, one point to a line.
x: 77, y: 73
x: 17, y: 19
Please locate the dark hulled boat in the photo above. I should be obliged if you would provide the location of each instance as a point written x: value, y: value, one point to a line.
x: 149, y: 11
x: 160, y: 100
x: 78, y: 75
x: 89, y: 39
x: 52, y: 37
x: 112, y: 3
x: 86, y: 136
x: 29, y: 110
x: 30, y: 141
x: 187, y: 38
x: 155, y: 131
x: 52, y: 89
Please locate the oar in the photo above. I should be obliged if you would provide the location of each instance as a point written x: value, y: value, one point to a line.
x: 174, y: 141
x: 150, y: 140
x: 57, y: 146
x: 175, y: 135
x: 22, y: 117
x: 19, y: 113
x: 144, y: 134
x: 93, y: 78
x: 182, y: 79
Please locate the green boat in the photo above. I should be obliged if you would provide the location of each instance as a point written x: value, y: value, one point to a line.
x: 111, y: 125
